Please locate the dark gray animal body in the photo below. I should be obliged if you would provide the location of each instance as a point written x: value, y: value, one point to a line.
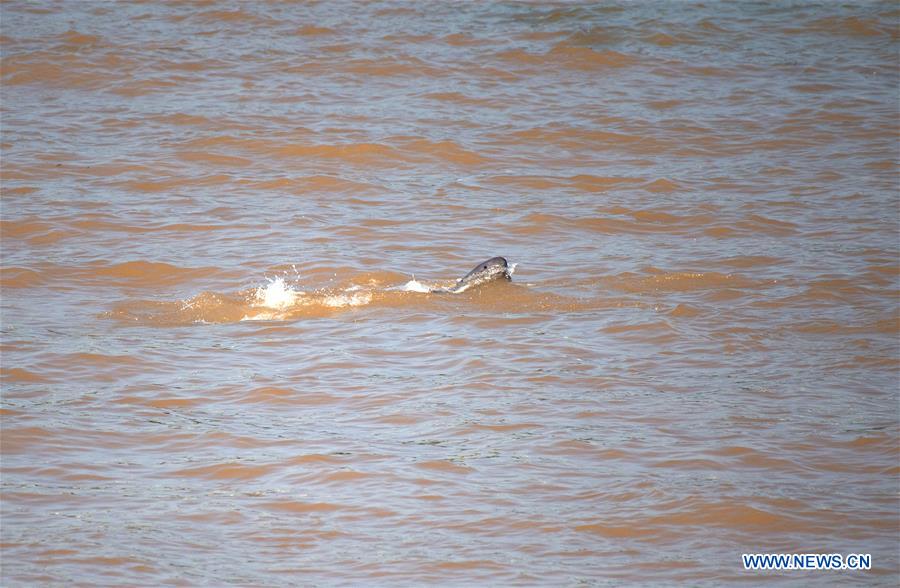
x: 495, y: 268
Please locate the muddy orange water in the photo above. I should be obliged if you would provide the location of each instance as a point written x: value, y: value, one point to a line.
x: 221, y: 363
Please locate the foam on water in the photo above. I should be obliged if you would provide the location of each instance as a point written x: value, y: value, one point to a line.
x: 341, y: 300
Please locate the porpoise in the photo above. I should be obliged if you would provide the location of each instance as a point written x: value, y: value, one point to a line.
x: 495, y: 268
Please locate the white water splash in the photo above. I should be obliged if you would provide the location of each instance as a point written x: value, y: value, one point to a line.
x: 415, y: 286
x: 277, y: 294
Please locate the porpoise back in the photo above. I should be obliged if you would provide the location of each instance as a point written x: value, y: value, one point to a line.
x: 495, y: 268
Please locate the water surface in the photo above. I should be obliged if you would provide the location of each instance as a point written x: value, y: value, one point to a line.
x: 216, y: 368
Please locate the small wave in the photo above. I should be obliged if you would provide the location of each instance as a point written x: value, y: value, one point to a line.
x: 314, y: 31
x: 174, y: 183
x: 60, y: 69
x: 659, y: 281
x: 319, y: 184
x: 19, y: 277
x: 34, y: 232
x: 579, y: 183
x: 235, y: 16
x: 76, y: 39
x: 217, y: 159
x: 569, y: 57
x: 406, y: 66
x: 636, y: 140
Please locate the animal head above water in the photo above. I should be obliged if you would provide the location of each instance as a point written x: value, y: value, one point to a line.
x: 495, y: 268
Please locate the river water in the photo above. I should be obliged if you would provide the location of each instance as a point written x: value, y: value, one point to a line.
x: 219, y: 366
